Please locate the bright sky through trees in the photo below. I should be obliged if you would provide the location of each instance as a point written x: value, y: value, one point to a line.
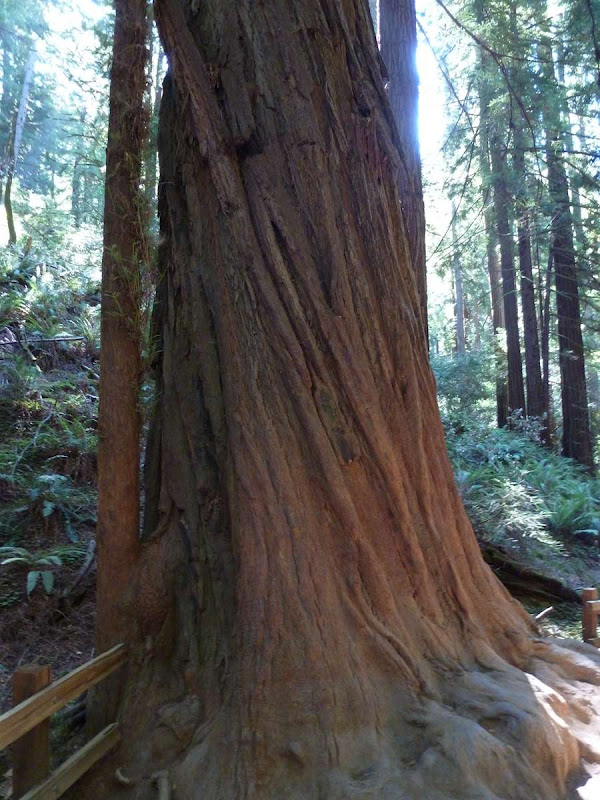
x: 74, y: 25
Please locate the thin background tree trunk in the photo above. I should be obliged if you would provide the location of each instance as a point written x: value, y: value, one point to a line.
x: 6, y: 111
x: 545, y: 345
x: 398, y: 37
x: 16, y: 145
x: 502, y: 206
x: 493, y: 267
x: 458, y: 284
x: 118, y: 528
x: 533, y: 371
x: 152, y: 105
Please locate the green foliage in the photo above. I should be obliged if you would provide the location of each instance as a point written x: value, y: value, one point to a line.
x: 48, y: 394
x: 44, y: 296
x: 47, y: 450
x: 58, y: 496
x: 534, y: 81
x: 463, y: 381
x: 515, y: 489
x: 40, y: 565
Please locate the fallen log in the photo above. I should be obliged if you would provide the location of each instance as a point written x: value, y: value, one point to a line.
x: 522, y: 581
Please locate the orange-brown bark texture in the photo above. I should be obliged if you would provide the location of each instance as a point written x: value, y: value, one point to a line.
x: 313, y: 616
x: 118, y: 529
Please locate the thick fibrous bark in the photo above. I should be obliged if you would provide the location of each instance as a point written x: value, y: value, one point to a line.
x: 398, y: 35
x: 118, y: 419
x: 314, y: 618
x: 576, y: 439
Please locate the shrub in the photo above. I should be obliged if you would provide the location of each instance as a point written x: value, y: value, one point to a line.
x: 512, y: 486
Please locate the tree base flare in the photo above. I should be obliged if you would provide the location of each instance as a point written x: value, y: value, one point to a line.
x: 492, y: 732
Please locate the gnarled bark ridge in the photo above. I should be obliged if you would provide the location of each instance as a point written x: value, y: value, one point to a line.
x: 313, y: 615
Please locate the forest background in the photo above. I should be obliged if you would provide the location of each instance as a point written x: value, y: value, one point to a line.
x: 509, y: 141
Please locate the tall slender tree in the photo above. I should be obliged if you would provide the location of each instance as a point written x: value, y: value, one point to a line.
x: 15, y: 145
x: 536, y: 406
x: 152, y: 105
x: 118, y: 528
x: 398, y: 37
x: 458, y: 288
x: 21, y: 22
x: 576, y: 437
x: 502, y: 209
x: 485, y: 96
x: 546, y: 289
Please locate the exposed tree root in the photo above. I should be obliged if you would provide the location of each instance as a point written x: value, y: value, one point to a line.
x: 490, y: 732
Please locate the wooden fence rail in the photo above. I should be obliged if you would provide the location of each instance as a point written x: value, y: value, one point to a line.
x: 27, y: 728
x: 74, y: 767
x: 591, y: 609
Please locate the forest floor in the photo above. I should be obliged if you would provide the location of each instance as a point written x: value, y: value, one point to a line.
x: 50, y: 631
x: 47, y: 630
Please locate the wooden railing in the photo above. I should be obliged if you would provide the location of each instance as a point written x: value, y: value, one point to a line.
x: 591, y: 609
x: 26, y: 726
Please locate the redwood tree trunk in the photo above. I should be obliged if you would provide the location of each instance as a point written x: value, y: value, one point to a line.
x: 118, y: 529
x: 576, y: 438
x: 314, y: 618
x: 398, y: 35
x: 502, y: 205
x: 535, y: 387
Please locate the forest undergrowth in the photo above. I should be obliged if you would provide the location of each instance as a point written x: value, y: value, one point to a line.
x: 49, y: 337
x: 530, y: 507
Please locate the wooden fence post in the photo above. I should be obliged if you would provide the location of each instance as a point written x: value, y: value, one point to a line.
x: 590, y: 615
x: 30, y: 753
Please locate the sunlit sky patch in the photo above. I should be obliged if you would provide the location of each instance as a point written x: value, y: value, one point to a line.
x: 71, y: 23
